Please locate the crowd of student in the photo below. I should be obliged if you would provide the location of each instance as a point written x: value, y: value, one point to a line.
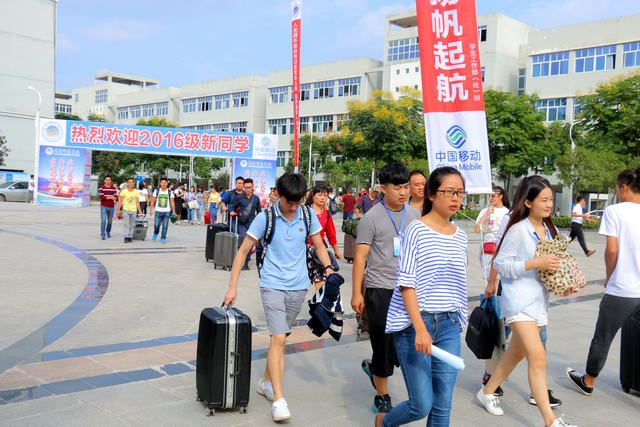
x: 410, y: 275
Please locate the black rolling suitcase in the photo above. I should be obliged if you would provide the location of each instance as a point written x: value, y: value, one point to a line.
x: 630, y: 354
x: 223, y: 369
x: 212, y: 230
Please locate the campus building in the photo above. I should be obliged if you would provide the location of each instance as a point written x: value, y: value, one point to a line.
x: 27, y: 43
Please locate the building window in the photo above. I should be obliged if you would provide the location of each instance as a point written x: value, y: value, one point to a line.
x: 415, y: 87
x: 241, y: 99
x: 76, y: 98
x: 304, y: 125
x: 101, y: 96
x: 349, y: 87
x: 220, y: 127
x: 341, y: 119
x: 577, y: 107
x: 552, y: 109
x: 62, y: 108
x: 631, y: 54
x: 189, y: 105
x: 401, y: 50
x: 397, y: 89
x: 482, y: 33
x: 417, y: 69
x: 239, y: 127
x: 482, y: 70
x: 550, y: 64
x: 323, y: 89
x: 123, y: 113
x: 278, y: 126
x: 596, y: 59
x: 135, y: 111
x: 279, y: 95
x: 406, y: 70
x: 147, y: 110
x: 204, y: 103
x: 162, y: 109
x: 223, y: 101
x: 322, y: 124
x: 305, y: 92
x: 281, y: 159
x: 522, y: 80
x: 398, y: 72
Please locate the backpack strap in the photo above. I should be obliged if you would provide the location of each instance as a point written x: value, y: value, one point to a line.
x: 267, y: 238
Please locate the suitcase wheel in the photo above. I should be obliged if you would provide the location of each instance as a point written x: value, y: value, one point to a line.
x: 626, y: 389
x: 243, y: 409
x: 210, y: 412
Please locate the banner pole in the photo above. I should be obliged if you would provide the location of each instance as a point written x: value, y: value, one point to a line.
x: 296, y: 25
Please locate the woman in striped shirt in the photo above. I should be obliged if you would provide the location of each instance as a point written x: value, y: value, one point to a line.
x: 429, y: 304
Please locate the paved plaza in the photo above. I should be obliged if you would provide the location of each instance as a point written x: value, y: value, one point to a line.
x: 99, y: 333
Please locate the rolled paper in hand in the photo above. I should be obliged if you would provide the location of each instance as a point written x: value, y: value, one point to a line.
x: 448, y: 358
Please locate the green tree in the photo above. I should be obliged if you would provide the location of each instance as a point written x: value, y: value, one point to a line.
x: 384, y: 129
x: 96, y: 118
x: 589, y: 170
x: 518, y: 139
x: 4, y: 150
x: 67, y: 116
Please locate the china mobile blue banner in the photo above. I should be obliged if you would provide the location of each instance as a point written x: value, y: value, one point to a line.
x: 64, y: 176
x: 157, y: 140
x: 263, y: 173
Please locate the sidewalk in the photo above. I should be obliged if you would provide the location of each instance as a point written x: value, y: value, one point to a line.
x: 107, y: 346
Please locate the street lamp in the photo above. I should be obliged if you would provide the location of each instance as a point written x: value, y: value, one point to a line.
x: 573, y: 151
x: 35, y: 149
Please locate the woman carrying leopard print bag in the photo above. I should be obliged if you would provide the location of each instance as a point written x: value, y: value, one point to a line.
x: 568, y: 278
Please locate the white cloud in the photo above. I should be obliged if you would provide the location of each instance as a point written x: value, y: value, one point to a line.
x: 119, y: 29
x: 545, y: 14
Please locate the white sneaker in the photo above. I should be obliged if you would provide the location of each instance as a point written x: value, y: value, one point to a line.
x: 280, y: 410
x: 491, y: 402
x: 265, y: 388
x: 559, y: 422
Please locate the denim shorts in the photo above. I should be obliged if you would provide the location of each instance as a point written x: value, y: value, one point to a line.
x: 281, y: 308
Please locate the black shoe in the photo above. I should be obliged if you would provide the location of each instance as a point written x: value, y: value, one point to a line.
x: 102, y: 237
x: 554, y: 402
x: 126, y: 240
x: 578, y: 381
x: 366, y: 367
x: 499, y: 392
x: 108, y: 235
x: 382, y: 404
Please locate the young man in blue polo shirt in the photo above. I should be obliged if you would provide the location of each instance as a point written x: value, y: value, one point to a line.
x: 284, y: 279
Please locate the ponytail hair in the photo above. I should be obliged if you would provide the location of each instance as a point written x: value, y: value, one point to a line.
x: 631, y: 178
x: 433, y: 184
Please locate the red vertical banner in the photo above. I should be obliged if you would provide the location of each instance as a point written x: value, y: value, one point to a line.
x: 454, y: 116
x: 296, y: 26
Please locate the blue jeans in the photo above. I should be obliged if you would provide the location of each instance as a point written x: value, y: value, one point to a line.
x: 242, y: 232
x: 161, y: 218
x: 347, y: 215
x: 106, y: 219
x: 429, y: 381
x: 200, y: 211
x: 213, y: 213
x: 192, y: 214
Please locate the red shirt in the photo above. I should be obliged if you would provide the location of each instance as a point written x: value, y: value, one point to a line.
x: 348, y: 203
x: 104, y: 192
x: 328, y: 228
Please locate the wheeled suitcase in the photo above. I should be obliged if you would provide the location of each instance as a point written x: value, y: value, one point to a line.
x: 349, y: 250
x: 225, y: 247
x: 140, y: 228
x: 630, y: 354
x: 212, y: 230
x: 223, y: 368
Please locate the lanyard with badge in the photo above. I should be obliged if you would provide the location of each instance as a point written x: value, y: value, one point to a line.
x: 396, y: 239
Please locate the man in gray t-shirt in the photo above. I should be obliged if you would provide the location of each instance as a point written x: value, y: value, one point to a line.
x: 377, y: 250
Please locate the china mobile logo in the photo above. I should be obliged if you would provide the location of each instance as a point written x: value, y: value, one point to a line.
x: 456, y: 136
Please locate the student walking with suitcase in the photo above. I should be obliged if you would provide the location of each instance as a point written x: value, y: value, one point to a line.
x: 377, y: 250
x: 284, y: 278
x: 622, y: 284
x: 163, y: 203
x: 129, y: 205
x: 429, y: 303
x: 525, y: 300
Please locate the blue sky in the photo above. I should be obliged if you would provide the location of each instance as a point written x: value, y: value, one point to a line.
x: 187, y: 41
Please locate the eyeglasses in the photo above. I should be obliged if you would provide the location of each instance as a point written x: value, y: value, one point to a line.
x: 450, y: 193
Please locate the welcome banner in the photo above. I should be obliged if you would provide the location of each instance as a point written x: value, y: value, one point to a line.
x: 263, y: 173
x: 454, y: 116
x: 296, y: 27
x: 157, y: 140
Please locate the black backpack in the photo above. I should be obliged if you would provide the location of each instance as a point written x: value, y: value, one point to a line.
x: 333, y: 205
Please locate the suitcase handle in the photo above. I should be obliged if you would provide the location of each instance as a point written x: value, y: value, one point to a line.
x: 237, y: 364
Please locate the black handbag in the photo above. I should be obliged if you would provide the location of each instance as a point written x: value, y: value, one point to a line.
x: 483, y: 331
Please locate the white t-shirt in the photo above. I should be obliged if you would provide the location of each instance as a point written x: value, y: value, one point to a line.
x: 143, y: 195
x: 577, y: 209
x: 492, y: 225
x: 621, y: 222
x: 163, y: 204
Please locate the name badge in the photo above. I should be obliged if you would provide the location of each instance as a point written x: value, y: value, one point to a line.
x: 396, y: 246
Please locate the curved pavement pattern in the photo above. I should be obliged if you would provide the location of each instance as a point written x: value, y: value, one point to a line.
x: 29, y: 348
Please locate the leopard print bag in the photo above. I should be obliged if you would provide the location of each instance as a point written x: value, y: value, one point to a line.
x: 568, y: 275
